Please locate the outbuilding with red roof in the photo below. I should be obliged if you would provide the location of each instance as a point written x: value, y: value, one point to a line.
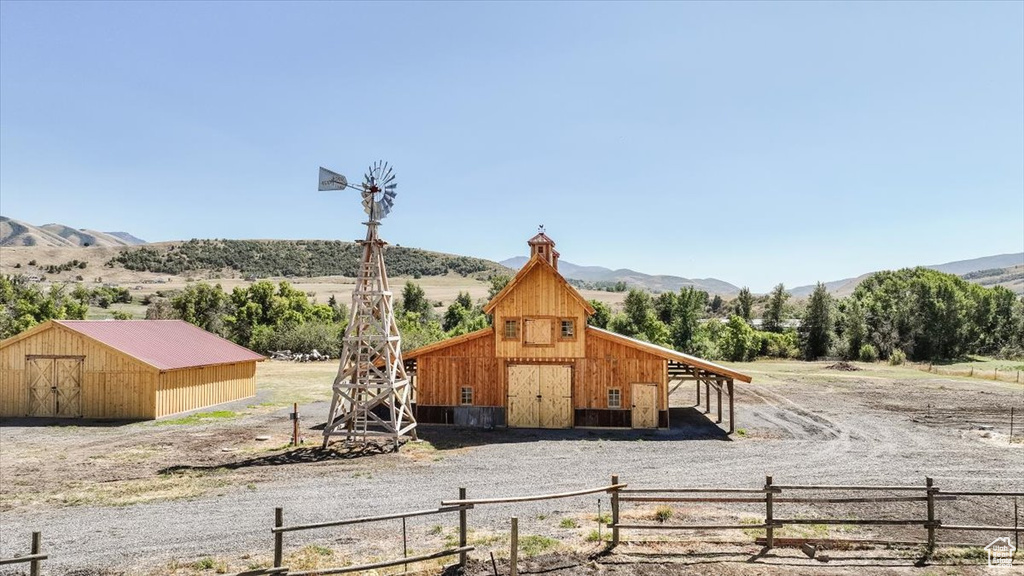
x: 120, y: 369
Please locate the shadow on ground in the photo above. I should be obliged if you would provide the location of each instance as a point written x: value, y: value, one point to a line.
x: 687, y: 423
x: 63, y: 422
x: 294, y: 456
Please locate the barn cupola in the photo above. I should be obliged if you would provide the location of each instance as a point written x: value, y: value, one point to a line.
x: 541, y: 245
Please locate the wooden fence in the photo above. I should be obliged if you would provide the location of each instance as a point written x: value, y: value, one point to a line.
x: 34, y: 558
x: 1004, y: 375
x: 770, y: 495
x: 279, y: 530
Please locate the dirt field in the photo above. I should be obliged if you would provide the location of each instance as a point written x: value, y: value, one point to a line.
x: 195, y: 494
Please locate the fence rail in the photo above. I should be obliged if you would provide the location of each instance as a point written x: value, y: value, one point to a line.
x: 769, y: 495
x: 280, y: 529
x: 34, y: 558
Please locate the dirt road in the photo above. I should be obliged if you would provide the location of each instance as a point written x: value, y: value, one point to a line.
x: 147, y: 498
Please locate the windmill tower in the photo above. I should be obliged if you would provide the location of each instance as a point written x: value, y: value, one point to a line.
x: 372, y: 392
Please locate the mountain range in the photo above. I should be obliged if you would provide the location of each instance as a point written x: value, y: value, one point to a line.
x: 655, y: 283
x: 18, y: 233
x: 1003, y: 269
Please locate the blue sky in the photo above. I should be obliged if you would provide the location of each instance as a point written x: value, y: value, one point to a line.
x: 753, y: 142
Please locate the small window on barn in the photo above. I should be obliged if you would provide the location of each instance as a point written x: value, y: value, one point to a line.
x: 568, y: 329
x: 467, y: 395
x: 614, y: 398
x: 511, y: 329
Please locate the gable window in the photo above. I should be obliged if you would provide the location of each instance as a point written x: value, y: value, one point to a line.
x: 466, y: 396
x: 614, y: 398
x: 568, y: 329
x: 511, y: 330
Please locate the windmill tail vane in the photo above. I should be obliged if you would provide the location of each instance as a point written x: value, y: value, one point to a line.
x: 372, y: 391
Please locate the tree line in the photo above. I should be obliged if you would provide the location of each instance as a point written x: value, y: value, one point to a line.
x: 914, y: 313
x: 304, y: 258
x: 917, y: 313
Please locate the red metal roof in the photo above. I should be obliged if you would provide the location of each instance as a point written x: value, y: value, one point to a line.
x: 163, y: 344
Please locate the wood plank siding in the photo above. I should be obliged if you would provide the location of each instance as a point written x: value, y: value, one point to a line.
x: 113, y: 385
x: 612, y: 365
x: 193, y: 388
x: 440, y: 375
x: 540, y: 296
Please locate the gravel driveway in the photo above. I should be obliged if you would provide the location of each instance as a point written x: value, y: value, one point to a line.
x: 843, y: 430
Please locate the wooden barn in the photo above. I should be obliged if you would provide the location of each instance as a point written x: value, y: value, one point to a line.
x: 120, y: 369
x: 541, y: 366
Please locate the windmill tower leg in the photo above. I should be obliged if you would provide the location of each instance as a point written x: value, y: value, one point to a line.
x: 372, y: 389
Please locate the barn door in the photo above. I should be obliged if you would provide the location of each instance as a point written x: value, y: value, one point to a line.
x: 68, y: 379
x: 645, y: 405
x: 54, y: 386
x: 523, y: 407
x: 41, y: 389
x: 555, y: 396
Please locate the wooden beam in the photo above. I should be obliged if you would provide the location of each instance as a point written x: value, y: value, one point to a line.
x: 732, y: 407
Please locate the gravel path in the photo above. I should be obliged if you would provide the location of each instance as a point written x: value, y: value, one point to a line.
x: 799, y: 433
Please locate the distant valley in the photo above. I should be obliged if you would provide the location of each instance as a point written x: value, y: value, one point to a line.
x: 311, y: 258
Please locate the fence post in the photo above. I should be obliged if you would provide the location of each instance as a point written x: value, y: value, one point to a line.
x: 931, y: 514
x: 615, y: 512
x: 769, y: 531
x: 513, y: 556
x: 405, y: 544
x: 33, y: 566
x: 278, y: 537
x: 462, y: 529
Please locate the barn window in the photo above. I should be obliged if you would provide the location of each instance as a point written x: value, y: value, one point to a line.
x: 511, y: 329
x: 467, y: 395
x: 614, y: 398
x: 568, y: 329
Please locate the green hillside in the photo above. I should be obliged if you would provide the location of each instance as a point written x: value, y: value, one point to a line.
x: 306, y: 258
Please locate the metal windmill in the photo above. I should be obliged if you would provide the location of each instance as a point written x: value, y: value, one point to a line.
x: 372, y: 392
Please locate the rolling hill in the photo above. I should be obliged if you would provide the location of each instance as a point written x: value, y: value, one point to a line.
x: 17, y: 233
x: 656, y: 283
x: 1002, y: 270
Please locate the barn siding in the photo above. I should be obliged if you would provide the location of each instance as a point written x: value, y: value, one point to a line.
x: 441, y: 374
x: 541, y: 293
x: 118, y: 386
x: 113, y: 385
x: 193, y: 388
x: 612, y: 365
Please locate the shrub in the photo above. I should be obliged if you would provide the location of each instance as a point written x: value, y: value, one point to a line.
x: 663, y: 513
x: 897, y: 358
x: 868, y: 353
x: 122, y: 315
x: 779, y: 344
